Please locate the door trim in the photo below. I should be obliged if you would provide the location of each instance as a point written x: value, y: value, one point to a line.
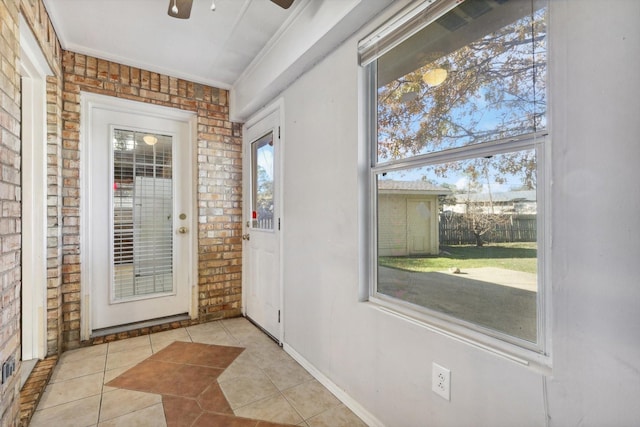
x: 34, y: 70
x: 89, y: 102
x: 277, y: 106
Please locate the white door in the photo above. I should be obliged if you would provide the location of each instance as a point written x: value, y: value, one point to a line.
x: 34, y: 71
x: 261, y: 272
x: 140, y: 217
x: 419, y: 227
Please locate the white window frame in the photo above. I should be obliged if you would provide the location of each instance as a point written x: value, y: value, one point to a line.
x: 407, y: 22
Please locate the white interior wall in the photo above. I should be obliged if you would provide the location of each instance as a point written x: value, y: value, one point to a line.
x: 313, y: 29
x: 383, y: 361
x: 595, y: 85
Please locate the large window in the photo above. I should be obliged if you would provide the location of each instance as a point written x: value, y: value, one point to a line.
x: 458, y: 131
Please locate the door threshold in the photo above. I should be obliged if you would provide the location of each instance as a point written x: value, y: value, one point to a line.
x: 138, y: 325
x: 257, y: 325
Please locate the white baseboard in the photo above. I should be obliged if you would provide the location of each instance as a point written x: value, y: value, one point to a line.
x: 345, y: 398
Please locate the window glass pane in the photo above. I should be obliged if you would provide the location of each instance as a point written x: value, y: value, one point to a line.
x: 460, y: 238
x: 474, y: 75
x: 142, y: 214
x: 262, y: 182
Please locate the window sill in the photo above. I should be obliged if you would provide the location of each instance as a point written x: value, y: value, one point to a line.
x: 532, y: 359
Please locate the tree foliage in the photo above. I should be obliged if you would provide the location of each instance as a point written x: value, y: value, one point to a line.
x: 264, y: 199
x: 480, y: 215
x: 495, y: 89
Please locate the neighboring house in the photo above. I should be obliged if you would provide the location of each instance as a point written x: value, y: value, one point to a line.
x: 506, y: 202
x: 408, y: 217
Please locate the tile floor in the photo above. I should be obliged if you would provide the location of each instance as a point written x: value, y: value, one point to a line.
x: 224, y: 373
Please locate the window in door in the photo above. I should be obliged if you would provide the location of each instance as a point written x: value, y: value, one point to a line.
x: 262, y: 183
x: 142, y: 215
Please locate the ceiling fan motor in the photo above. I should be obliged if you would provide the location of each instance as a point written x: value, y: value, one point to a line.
x: 182, y: 8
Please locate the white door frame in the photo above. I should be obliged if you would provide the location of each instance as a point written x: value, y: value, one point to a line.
x: 277, y: 106
x: 89, y: 103
x: 34, y: 70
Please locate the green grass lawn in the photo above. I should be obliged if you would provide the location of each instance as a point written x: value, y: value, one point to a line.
x: 510, y: 256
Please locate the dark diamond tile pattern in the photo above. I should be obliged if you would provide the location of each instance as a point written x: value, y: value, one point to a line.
x: 186, y: 374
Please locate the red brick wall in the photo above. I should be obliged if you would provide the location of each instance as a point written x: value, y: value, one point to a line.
x: 219, y: 171
x: 11, y: 192
x: 10, y: 200
x: 219, y: 184
x: 38, y: 19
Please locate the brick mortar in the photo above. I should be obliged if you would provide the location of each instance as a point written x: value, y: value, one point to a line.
x: 219, y: 196
x: 34, y: 388
x: 37, y: 19
x: 10, y: 183
x: 54, y: 215
x: 219, y: 171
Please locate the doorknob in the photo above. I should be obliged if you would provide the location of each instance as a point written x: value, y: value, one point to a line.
x: 245, y: 237
x: 183, y: 230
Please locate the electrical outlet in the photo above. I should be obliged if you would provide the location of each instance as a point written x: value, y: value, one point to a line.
x: 441, y: 381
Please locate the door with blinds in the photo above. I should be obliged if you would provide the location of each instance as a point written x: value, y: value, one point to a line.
x: 140, y: 218
x: 142, y: 214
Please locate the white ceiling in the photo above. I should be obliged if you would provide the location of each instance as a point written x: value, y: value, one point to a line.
x: 210, y: 47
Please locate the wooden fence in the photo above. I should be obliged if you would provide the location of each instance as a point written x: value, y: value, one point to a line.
x: 455, y: 230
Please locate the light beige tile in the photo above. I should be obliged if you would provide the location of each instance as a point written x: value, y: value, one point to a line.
x: 163, y: 339
x: 70, y: 390
x: 240, y: 328
x: 267, y: 355
x: 250, y: 384
x: 243, y: 390
x: 310, y: 398
x: 106, y: 389
x: 129, y: 344
x: 113, y: 373
x: 128, y: 357
x: 121, y: 402
x: 237, y: 323
x: 287, y: 374
x: 340, y: 416
x: 209, y: 327
x: 255, y: 338
x: 180, y: 334
x: 242, y: 366
x: 275, y: 409
x: 80, y: 413
x: 161, y: 345
x: 66, y: 369
x: 214, y: 337
x: 152, y: 416
x: 83, y: 353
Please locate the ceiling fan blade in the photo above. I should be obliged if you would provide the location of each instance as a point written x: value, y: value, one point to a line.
x: 285, y: 4
x: 183, y: 6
